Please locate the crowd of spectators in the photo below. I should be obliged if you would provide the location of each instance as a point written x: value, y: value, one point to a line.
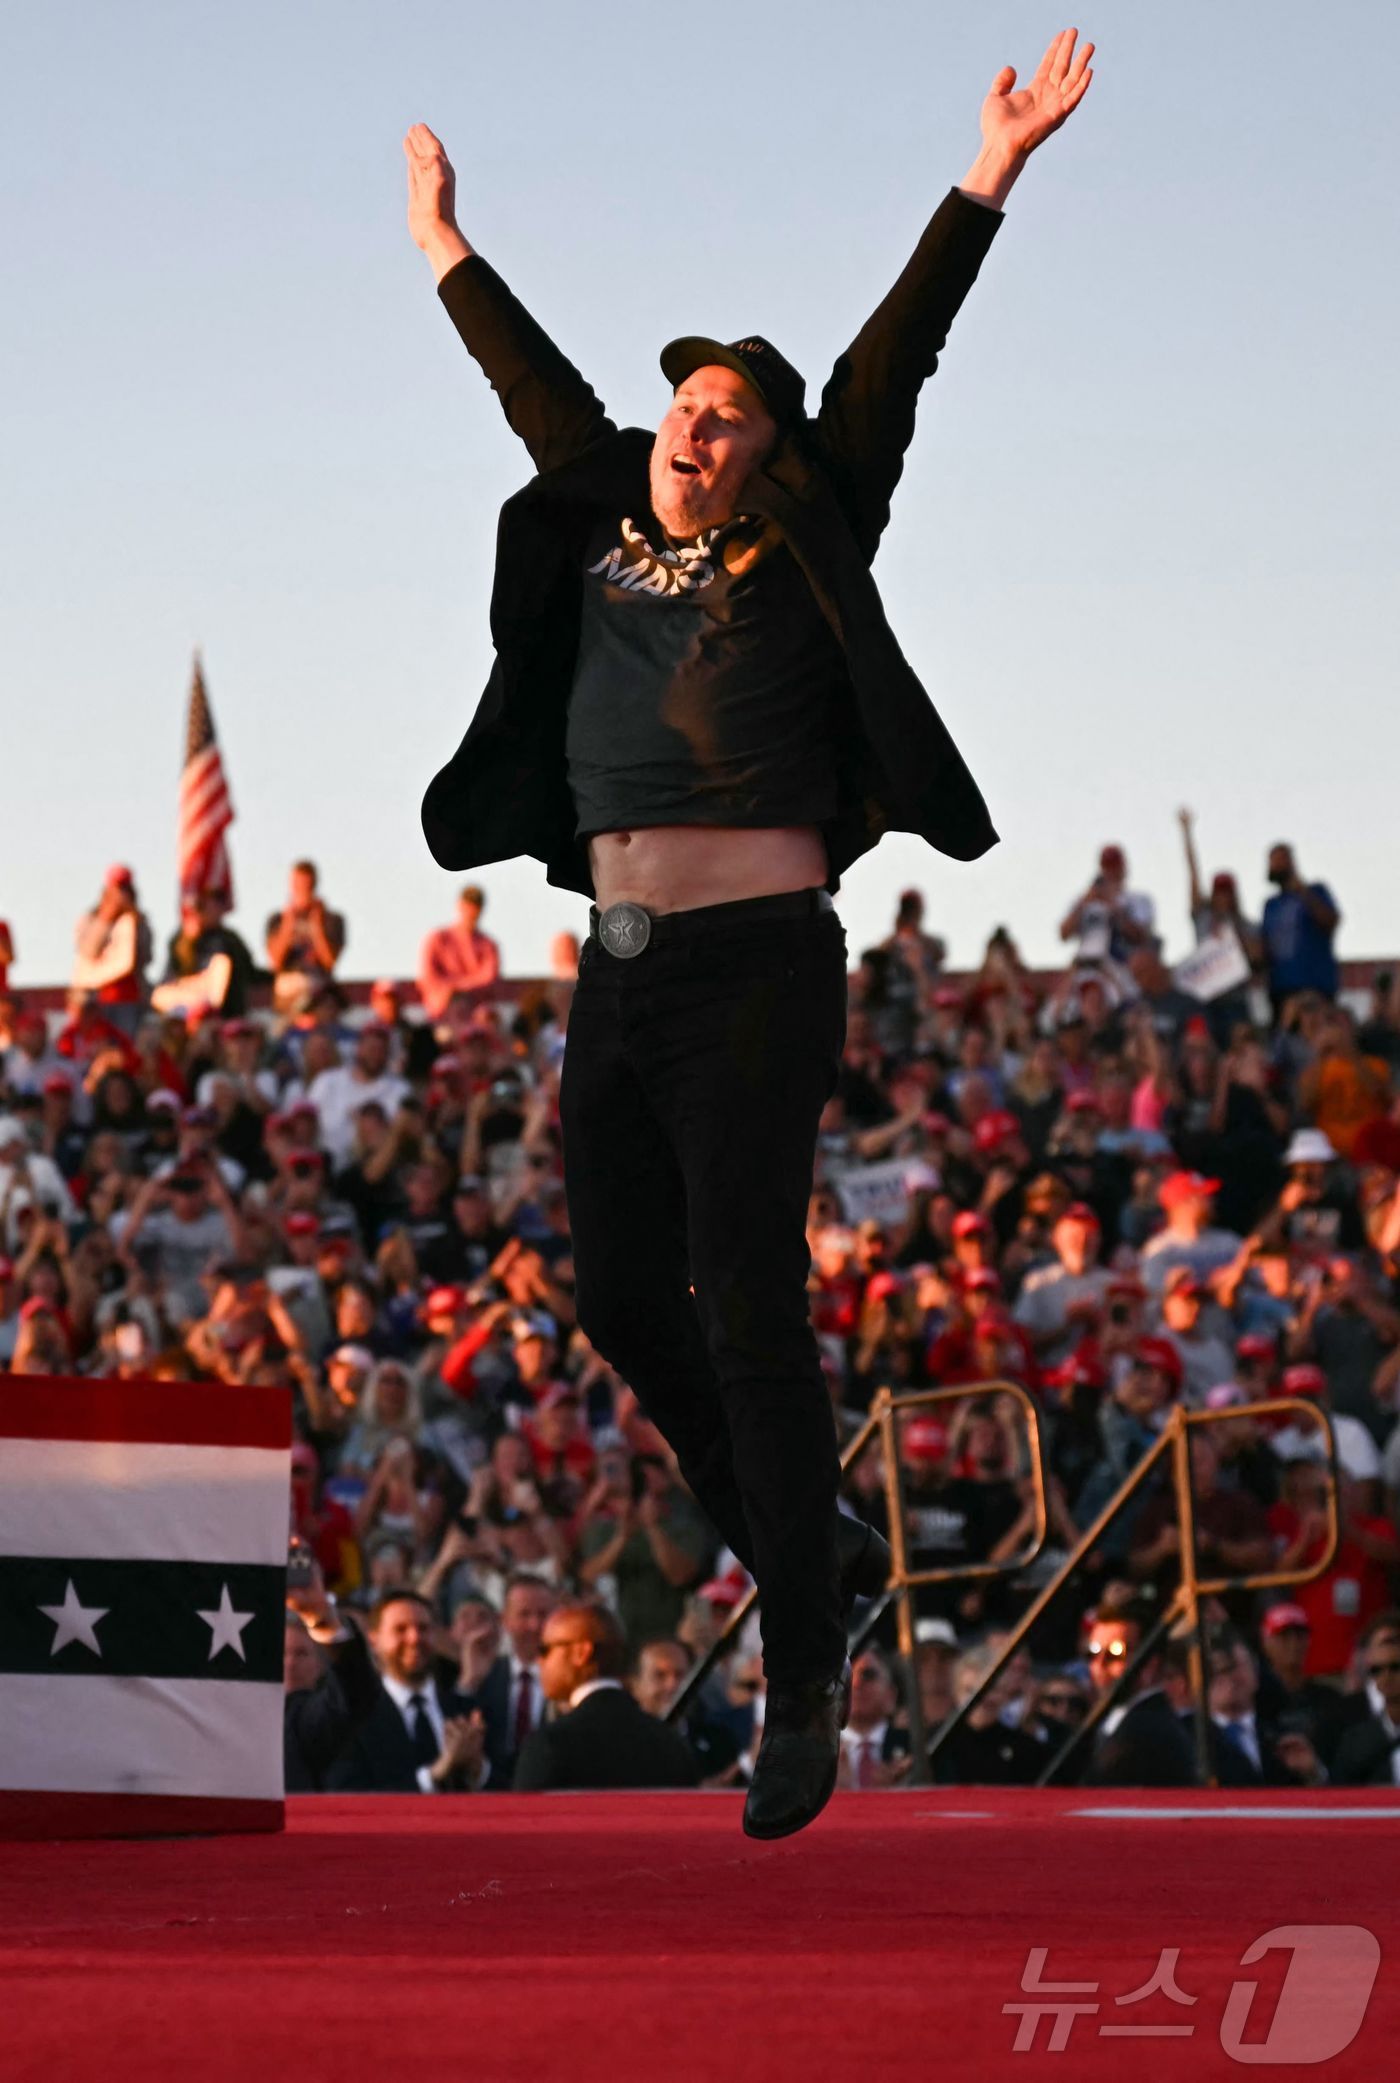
x: 1123, y: 1188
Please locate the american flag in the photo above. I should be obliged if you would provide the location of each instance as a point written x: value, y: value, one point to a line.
x: 206, y: 808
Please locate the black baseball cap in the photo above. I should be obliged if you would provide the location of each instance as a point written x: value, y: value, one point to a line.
x: 782, y: 390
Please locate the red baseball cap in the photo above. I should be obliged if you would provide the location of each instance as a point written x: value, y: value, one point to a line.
x: 1113, y: 860
x: 994, y: 1129
x: 947, y: 996
x: 1286, y: 1615
x: 727, y: 1590
x: 924, y: 1440
x: 981, y: 1280
x: 118, y: 877
x: 1255, y: 1345
x: 1080, y: 1211
x: 1083, y: 1103
x: 1162, y: 1354
x: 301, y: 1224
x: 444, y: 1301
x: 1078, y: 1371
x: 1185, y: 1186
x: 936, y: 1124
x: 881, y: 1286
x: 1127, y: 1284
x: 56, y: 1085
x: 1303, y: 1380
x: 971, y: 1224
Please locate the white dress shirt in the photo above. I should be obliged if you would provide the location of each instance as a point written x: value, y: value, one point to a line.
x: 580, y: 1692
x: 403, y: 1697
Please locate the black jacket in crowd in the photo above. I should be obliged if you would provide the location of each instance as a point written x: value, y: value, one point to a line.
x: 606, y: 1741
x: 1366, y: 1755
x: 826, y: 490
x: 378, y: 1758
x: 317, y: 1725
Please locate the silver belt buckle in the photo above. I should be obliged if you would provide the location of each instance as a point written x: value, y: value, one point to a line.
x: 624, y: 930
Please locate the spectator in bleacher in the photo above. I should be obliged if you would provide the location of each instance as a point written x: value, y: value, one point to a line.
x: 208, y: 966
x: 1190, y: 1238
x: 1292, y: 1703
x: 113, y: 951
x: 339, y: 1092
x: 1063, y: 1302
x: 305, y: 940
x: 1369, y: 1752
x: 1298, y: 928
x: 458, y: 960
x: 1109, y: 920
x: 1194, y: 1328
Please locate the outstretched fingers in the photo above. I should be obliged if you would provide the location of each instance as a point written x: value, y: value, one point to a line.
x: 1004, y: 81
x: 1042, y: 71
x: 1063, y: 51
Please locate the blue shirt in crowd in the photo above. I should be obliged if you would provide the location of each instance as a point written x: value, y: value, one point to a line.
x: 1299, y: 951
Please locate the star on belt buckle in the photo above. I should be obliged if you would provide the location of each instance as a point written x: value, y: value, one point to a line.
x: 624, y: 930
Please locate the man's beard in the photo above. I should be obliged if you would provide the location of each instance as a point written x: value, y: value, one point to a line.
x: 684, y: 507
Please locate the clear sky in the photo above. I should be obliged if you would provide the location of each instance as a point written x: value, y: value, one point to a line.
x: 1145, y: 551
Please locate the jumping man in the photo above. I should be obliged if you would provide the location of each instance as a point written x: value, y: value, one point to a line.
x: 698, y: 716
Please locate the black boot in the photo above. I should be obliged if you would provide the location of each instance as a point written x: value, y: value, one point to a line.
x: 865, y: 1559
x: 795, y: 1772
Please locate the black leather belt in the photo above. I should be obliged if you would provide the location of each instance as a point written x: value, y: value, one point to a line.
x: 626, y: 930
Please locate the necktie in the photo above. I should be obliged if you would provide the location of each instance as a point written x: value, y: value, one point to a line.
x: 425, y: 1746
x: 524, y: 1707
x: 865, y: 1763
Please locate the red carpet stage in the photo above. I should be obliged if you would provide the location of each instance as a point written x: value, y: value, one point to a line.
x: 642, y: 1936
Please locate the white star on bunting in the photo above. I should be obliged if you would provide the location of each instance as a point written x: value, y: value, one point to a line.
x: 226, y: 1627
x: 75, y: 1622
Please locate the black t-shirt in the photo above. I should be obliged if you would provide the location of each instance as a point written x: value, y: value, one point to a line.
x: 704, y: 690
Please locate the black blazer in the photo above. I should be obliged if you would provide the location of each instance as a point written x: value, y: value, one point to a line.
x: 1149, y: 1747
x: 606, y: 1741
x: 378, y: 1759
x: 827, y: 490
x: 1364, y: 1755
x: 317, y: 1725
x: 492, y: 1699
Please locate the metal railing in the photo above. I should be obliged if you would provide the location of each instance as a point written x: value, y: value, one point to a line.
x: 882, y: 1423
x: 1187, y: 1602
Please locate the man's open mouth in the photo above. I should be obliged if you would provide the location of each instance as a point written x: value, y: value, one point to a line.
x: 684, y: 466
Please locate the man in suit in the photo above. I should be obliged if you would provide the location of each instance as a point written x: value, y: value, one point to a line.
x: 329, y: 1686
x: 698, y: 716
x: 1143, y: 1741
x: 874, y: 1749
x: 659, y: 1670
x: 602, y: 1737
x: 1244, y: 1751
x: 508, y: 1694
x: 415, y: 1739
x: 1369, y: 1753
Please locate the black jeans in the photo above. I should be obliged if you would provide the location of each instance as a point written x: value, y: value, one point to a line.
x: 694, y: 1079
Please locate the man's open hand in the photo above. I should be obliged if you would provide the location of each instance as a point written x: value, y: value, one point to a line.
x: 432, y: 200
x: 1018, y: 121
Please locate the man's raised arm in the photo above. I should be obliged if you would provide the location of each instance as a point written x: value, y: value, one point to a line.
x: 546, y: 401
x: 867, y: 412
